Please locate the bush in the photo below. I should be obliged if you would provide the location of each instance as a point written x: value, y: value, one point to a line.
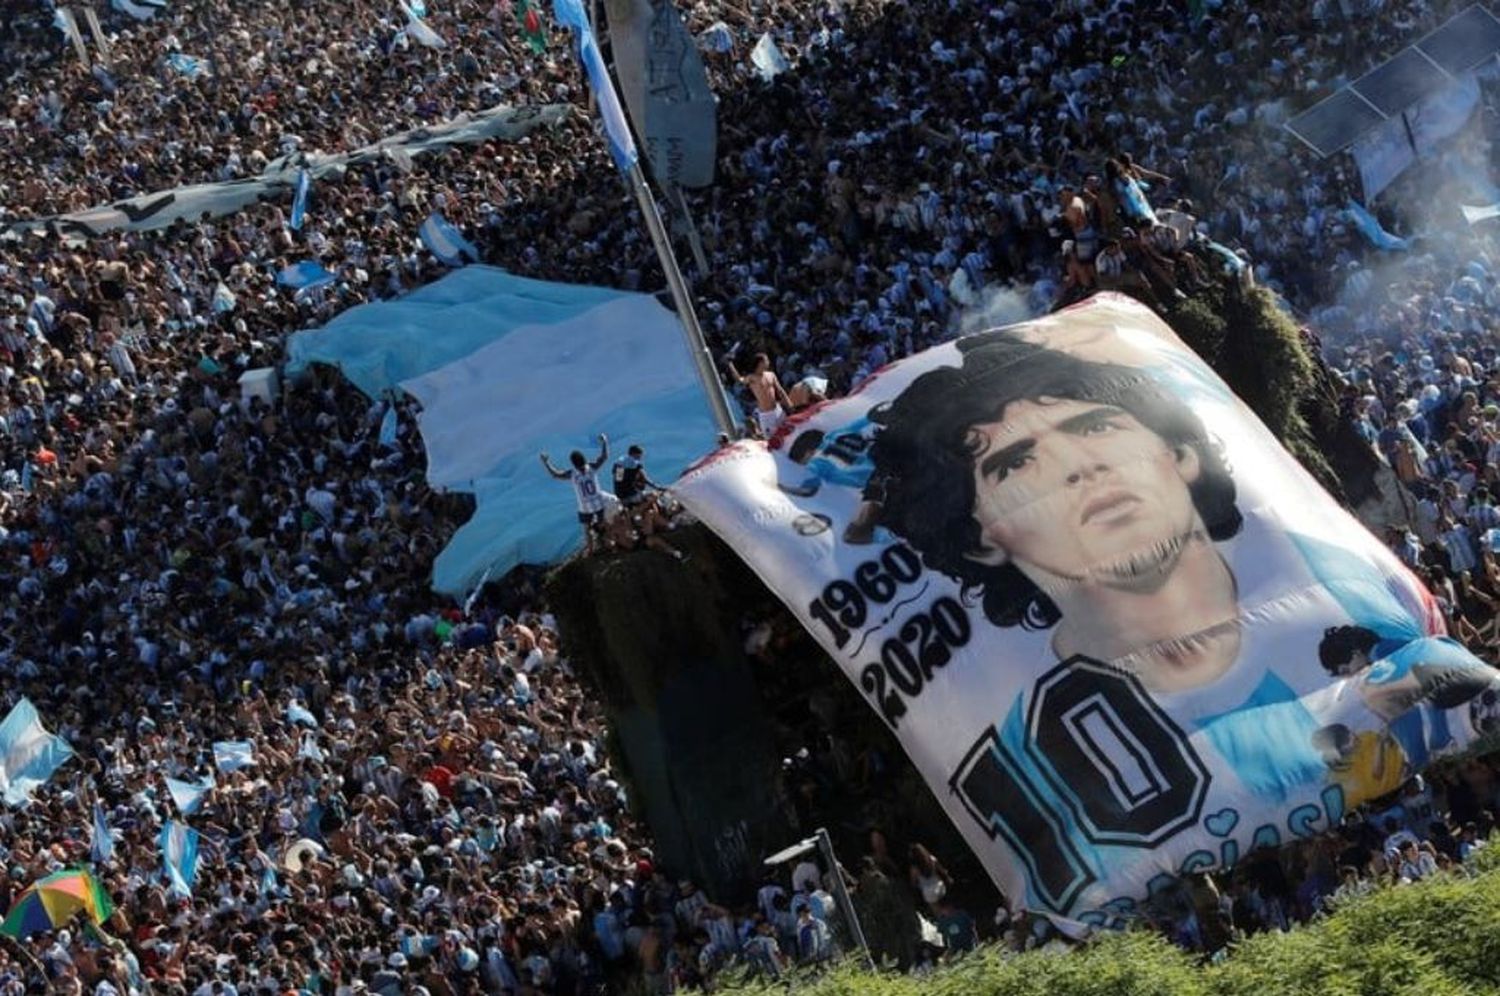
x: 1436, y: 938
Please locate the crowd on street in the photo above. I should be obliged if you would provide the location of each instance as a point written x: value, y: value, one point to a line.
x: 430, y: 807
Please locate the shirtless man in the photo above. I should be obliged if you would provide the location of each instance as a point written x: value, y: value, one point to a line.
x: 771, y: 401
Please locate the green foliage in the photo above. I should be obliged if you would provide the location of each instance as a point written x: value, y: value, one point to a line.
x: 1436, y: 938
x: 1257, y: 348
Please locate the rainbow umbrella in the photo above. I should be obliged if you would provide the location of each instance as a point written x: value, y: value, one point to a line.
x: 49, y: 903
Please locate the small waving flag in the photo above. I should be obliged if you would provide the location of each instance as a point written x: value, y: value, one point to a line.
x: 102, y: 847
x: 232, y: 755
x: 569, y: 13
x: 445, y: 242
x: 189, y: 796
x: 179, y: 852
x: 530, y: 20
x: 304, y: 276
x: 299, y: 202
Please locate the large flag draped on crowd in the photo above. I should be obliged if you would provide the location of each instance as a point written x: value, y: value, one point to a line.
x: 576, y: 360
x: 1121, y: 632
x: 284, y: 176
x: 29, y: 754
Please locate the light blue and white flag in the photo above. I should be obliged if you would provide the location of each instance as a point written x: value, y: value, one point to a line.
x: 141, y: 10
x: 569, y: 13
x: 299, y: 202
x: 446, y: 242
x: 767, y: 58
x: 388, y: 426
x: 179, y: 853
x: 189, y: 796
x: 223, y: 299
x: 418, y: 7
x: 717, y: 37
x: 297, y: 715
x: 418, y: 30
x: 1371, y: 230
x: 187, y: 65
x: 616, y: 357
x: 232, y: 755
x: 102, y: 847
x: 270, y: 885
x: 309, y: 748
x: 1474, y: 215
x: 29, y: 754
x: 305, y: 276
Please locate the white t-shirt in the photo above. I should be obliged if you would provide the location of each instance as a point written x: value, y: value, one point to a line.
x: 586, y: 489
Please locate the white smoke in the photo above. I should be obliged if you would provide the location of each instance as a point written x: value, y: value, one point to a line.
x: 1001, y: 304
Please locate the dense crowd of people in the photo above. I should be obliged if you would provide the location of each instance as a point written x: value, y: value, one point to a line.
x: 431, y: 808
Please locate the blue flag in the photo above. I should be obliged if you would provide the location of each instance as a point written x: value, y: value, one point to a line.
x: 223, y: 300
x: 179, y: 854
x: 1371, y: 230
x: 621, y: 146
x: 102, y: 848
x: 269, y: 884
x: 445, y: 242
x: 187, y: 65
x: 297, y: 715
x: 305, y: 276
x: 189, y: 796
x: 299, y: 202
x: 388, y: 426
x: 141, y: 10
x: 232, y: 755
x: 29, y: 754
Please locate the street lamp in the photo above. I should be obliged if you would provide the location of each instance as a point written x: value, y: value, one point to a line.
x: 821, y: 843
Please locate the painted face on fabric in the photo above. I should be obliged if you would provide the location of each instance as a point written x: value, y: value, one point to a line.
x: 1081, y: 490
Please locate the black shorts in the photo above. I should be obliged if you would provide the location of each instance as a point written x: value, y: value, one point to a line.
x: 591, y: 518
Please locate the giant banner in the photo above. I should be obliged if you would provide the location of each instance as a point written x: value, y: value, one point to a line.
x: 1121, y: 632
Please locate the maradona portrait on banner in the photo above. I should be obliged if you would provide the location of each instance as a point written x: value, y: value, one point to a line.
x: 1120, y: 631
x: 1087, y: 501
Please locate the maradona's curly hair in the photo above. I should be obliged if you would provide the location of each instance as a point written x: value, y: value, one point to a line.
x: 924, y: 456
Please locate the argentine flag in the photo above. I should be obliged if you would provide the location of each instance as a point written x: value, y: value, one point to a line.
x: 304, y: 276
x: 1370, y: 228
x: 232, y: 755
x: 29, y: 754
x: 187, y: 65
x: 444, y: 241
x: 223, y: 299
x: 141, y: 10
x: 102, y: 847
x: 388, y: 427
x: 297, y: 715
x: 621, y: 146
x: 189, y: 796
x: 613, y: 362
x: 417, y: 28
x: 299, y: 202
x: 179, y: 853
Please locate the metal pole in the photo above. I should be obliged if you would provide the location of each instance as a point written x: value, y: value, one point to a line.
x: 841, y: 894
x: 692, y: 332
x: 691, y: 230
